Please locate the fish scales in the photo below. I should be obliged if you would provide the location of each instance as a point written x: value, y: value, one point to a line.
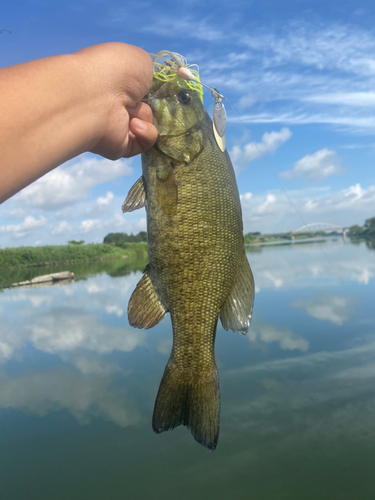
x: 203, y: 243
x: 197, y: 264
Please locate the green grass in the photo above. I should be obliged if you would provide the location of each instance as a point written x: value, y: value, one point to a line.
x: 50, y: 255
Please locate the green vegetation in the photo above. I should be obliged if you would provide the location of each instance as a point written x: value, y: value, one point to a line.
x: 119, y: 239
x: 367, y: 231
x: 56, y: 254
x: 265, y: 238
x: 258, y: 238
x: 364, y: 233
x: 82, y: 270
x: 74, y: 242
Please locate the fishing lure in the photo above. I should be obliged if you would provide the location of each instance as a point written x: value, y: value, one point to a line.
x: 169, y: 66
x: 219, y: 119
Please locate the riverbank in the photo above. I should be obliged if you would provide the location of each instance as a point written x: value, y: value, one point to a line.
x: 51, y: 255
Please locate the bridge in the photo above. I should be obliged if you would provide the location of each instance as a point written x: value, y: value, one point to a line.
x: 318, y: 227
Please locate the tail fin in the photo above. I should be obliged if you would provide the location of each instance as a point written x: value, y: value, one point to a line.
x: 190, y: 401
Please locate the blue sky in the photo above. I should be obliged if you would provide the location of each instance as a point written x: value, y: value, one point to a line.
x: 300, y: 76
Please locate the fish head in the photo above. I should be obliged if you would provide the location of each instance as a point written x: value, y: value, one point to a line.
x: 180, y: 118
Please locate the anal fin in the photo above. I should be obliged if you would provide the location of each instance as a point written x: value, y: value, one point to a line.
x: 235, y: 313
x: 145, y: 309
x: 136, y: 197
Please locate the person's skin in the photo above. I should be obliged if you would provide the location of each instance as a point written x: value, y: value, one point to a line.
x: 56, y: 108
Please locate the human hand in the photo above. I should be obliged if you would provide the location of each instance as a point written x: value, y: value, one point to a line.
x: 55, y: 108
x: 118, y: 76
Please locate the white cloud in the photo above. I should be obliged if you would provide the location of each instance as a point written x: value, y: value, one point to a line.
x: 273, y: 211
x: 27, y: 226
x: 70, y: 330
x: 348, y: 48
x: 315, y: 167
x: 345, y: 98
x: 269, y: 143
x: 83, y: 396
x: 117, y: 222
x: 139, y: 225
x: 298, y: 117
x: 61, y: 228
x: 328, y: 307
x: 164, y: 25
x: 16, y: 213
x: 89, y: 225
x: 103, y: 202
x: 68, y: 184
x: 89, y: 363
x: 286, y: 339
x: 165, y: 346
x: 114, y: 309
x: 247, y: 101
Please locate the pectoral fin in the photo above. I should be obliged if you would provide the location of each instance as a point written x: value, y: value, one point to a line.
x: 167, y: 188
x: 145, y: 309
x: 235, y: 313
x: 136, y: 197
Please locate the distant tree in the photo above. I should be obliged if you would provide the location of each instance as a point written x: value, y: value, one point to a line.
x: 74, y: 242
x: 369, y: 223
x: 369, y: 226
x: 120, y: 239
x: 365, y: 232
x: 356, y: 231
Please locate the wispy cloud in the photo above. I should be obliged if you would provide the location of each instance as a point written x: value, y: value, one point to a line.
x: 351, y: 121
x: 273, y: 211
x: 188, y: 26
x: 27, y: 226
x: 252, y: 150
x: 362, y: 99
x: 62, y: 228
x: 70, y: 183
x: 60, y: 331
x: 286, y: 339
x: 345, y: 47
x: 315, y: 167
x: 328, y: 307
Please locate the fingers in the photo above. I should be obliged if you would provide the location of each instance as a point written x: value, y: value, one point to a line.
x: 141, y: 111
x: 142, y: 136
x: 142, y: 133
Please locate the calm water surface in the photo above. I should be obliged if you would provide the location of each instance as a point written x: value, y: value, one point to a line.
x: 78, y: 385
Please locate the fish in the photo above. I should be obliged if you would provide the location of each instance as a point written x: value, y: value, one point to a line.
x: 198, y: 270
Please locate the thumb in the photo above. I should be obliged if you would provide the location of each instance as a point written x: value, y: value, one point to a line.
x: 145, y: 135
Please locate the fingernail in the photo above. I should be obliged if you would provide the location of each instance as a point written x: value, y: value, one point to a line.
x: 140, y: 125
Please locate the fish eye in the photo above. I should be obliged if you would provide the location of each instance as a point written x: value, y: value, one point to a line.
x: 184, y: 97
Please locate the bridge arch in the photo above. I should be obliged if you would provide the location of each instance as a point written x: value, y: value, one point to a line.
x: 318, y: 226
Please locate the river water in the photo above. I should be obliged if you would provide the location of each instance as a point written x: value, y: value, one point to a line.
x: 78, y: 385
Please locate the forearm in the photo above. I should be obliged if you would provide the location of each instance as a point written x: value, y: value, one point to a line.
x: 45, y: 119
x: 53, y: 109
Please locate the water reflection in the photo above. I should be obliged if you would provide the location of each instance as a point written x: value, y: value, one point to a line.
x: 298, y: 391
x: 287, y: 340
x: 295, y: 265
x: 84, y: 397
x: 328, y: 307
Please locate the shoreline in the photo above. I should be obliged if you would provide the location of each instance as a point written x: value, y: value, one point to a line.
x: 55, y: 255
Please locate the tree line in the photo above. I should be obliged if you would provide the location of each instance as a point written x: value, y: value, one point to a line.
x: 120, y: 239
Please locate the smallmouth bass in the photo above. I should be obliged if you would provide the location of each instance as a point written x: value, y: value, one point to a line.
x: 197, y: 268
